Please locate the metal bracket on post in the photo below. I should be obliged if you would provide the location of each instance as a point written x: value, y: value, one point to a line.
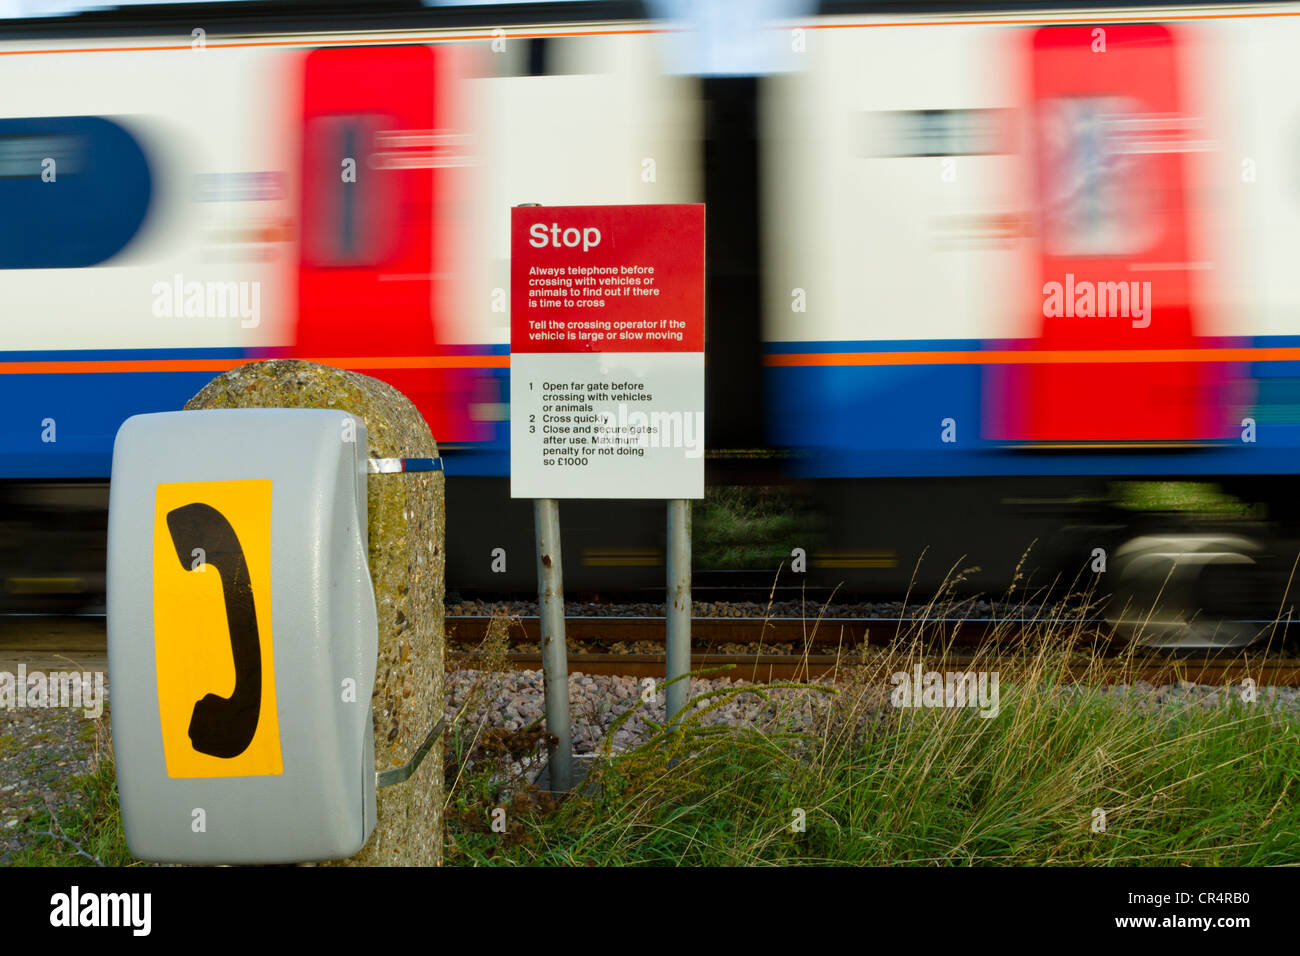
x: 396, y: 466
x: 555, y: 649
x: 677, y: 608
x: 386, y: 778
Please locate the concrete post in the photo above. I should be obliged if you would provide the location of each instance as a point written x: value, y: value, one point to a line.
x: 407, y: 523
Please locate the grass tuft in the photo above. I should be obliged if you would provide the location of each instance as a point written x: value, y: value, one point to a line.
x: 1063, y: 773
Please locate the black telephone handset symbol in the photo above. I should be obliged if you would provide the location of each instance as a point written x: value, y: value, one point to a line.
x: 224, y: 726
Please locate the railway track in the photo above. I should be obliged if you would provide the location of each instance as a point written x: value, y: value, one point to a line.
x: 765, y: 668
x: 826, y: 632
x: 833, y: 646
x: 820, y: 661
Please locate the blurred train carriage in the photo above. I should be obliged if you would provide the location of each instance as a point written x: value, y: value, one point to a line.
x: 1043, y: 257
x: 967, y: 272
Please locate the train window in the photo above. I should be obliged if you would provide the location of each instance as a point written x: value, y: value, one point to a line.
x: 1095, y: 175
x: 239, y: 187
x: 900, y: 133
x: 22, y: 156
x: 349, y: 218
x: 103, y: 194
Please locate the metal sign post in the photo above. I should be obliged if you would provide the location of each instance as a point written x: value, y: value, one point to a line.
x: 555, y: 652
x: 677, y: 608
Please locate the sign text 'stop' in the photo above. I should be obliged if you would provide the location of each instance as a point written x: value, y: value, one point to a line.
x: 607, y: 278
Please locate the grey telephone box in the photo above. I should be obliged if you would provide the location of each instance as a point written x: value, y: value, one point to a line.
x: 242, y: 635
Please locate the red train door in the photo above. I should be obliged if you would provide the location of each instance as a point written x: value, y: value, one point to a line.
x: 1107, y: 149
x: 370, y: 277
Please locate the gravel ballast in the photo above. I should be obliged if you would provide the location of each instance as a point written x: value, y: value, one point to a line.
x: 514, y: 700
x: 42, y: 752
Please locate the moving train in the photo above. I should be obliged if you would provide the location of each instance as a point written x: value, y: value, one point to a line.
x: 968, y: 273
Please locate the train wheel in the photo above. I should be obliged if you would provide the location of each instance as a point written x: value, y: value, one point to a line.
x: 1188, y: 591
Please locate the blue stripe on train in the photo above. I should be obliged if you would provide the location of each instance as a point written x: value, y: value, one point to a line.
x: 851, y: 421
x: 86, y: 410
x: 82, y: 413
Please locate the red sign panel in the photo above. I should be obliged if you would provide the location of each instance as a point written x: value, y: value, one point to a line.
x: 607, y: 278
